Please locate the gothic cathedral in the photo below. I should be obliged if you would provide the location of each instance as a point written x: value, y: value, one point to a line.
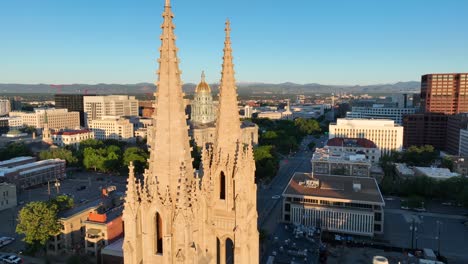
x: 176, y: 214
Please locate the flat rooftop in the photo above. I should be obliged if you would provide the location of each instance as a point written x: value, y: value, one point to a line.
x: 80, y: 208
x: 336, y: 187
x: 326, y: 155
x: 114, y: 249
x: 5, y: 163
x: 351, y: 142
x: 438, y: 173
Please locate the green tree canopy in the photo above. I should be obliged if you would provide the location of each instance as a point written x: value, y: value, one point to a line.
x: 138, y: 156
x: 63, y: 202
x: 13, y: 150
x: 308, y: 126
x: 38, y: 222
x: 59, y: 153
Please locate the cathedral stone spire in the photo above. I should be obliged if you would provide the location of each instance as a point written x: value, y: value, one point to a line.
x: 170, y: 150
x: 228, y: 123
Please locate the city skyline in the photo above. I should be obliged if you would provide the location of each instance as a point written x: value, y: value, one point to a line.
x: 340, y: 43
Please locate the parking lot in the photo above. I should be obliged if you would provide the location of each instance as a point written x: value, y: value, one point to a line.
x: 82, y: 186
x: 290, y: 243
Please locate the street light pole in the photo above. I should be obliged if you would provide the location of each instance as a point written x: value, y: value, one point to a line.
x: 438, y: 237
x: 413, y: 229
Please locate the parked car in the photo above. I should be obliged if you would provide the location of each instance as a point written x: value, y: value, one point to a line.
x: 6, y: 240
x: 80, y: 188
x: 12, y: 259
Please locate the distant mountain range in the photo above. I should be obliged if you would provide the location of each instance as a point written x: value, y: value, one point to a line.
x: 189, y: 88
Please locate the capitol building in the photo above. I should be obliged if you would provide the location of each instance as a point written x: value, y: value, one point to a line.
x: 203, y: 118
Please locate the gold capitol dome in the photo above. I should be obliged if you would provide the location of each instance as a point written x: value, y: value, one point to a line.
x: 203, y: 87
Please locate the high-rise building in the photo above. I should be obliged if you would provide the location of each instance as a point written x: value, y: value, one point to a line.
x: 56, y: 118
x: 176, y: 215
x: 444, y: 93
x: 425, y: 129
x: 95, y: 107
x: 384, y: 133
x: 378, y: 111
x: 463, y: 145
x: 455, y: 123
x: 4, y: 107
x: 110, y: 127
x: 72, y: 102
x: 203, y: 109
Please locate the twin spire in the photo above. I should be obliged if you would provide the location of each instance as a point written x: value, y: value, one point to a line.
x: 170, y: 163
x: 228, y: 120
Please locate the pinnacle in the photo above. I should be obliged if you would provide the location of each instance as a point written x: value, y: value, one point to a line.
x: 203, y: 76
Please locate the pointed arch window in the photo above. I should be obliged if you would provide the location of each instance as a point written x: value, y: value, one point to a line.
x: 158, y: 234
x: 222, y: 186
x: 229, y: 251
x: 218, y: 251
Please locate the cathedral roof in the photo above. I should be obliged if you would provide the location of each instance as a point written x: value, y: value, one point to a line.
x: 203, y: 87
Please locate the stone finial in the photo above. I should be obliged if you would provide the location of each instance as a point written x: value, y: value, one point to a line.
x: 203, y: 76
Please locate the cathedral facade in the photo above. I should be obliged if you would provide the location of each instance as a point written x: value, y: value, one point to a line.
x: 176, y: 214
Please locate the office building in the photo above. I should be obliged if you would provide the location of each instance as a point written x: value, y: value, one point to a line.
x: 332, y: 162
x: 355, y: 145
x: 380, y: 112
x: 32, y: 173
x: 56, y: 118
x: 7, y: 196
x: 71, y: 137
x: 146, y: 108
x: 4, y: 107
x: 71, y: 102
x: 341, y: 204
x: 445, y: 93
x: 463, y: 143
x: 384, y: 133
x: 112, y: 128
x: 10, y: 123
x: 455, y: 123
x: 96, y: 107
x: 425, y: 129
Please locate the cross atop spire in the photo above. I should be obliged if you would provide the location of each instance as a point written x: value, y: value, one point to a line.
x: 228, y: 123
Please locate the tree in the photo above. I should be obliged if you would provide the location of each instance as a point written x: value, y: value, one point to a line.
x: 63, y: 202
x: 38, y: 222
x: 138, y: 156
x: 266, y: 162
x: 59, y: 153
x: 28, y: 129
x: 311, y: 145
x: 307, y: 126
x: 93, y: 158
x: 14, y: 150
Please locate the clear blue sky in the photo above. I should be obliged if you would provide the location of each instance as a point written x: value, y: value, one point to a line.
x: 304, y: 41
